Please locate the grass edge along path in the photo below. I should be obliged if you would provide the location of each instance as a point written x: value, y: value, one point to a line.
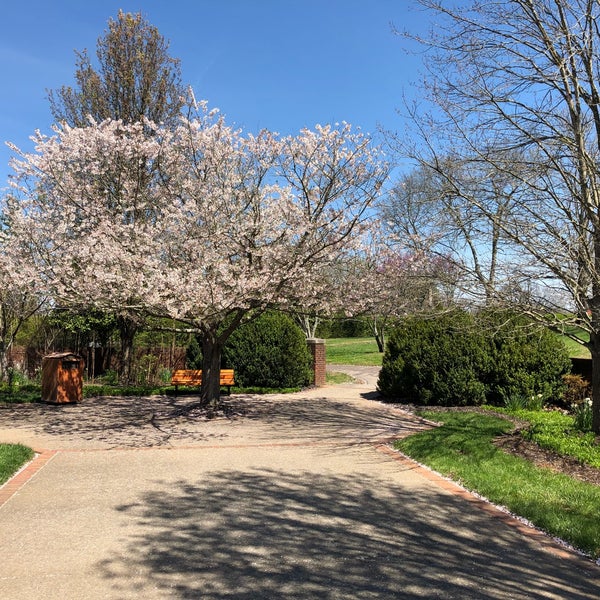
x: 461, y: 449
x: 12, y: 458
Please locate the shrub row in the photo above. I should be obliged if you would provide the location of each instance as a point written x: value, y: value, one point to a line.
x: 463, y: 359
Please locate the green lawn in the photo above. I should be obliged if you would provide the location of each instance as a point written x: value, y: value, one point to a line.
x: 12, y: 457
x: 462, y: 449
x: 353, y: 351
x: 576, y: 350
x: 363, y: 351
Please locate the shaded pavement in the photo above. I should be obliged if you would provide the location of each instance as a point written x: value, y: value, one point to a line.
x: 291, y: 496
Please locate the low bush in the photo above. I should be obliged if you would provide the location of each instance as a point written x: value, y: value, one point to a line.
x: 526, y: 361
x: 435, y: 361
x: 462, y: 359
x: 577, y: 389
x: 269, y: 352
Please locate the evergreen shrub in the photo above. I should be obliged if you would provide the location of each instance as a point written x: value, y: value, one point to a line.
x: 460, y: 359
x: 528, y: 362
x: 270, y: 351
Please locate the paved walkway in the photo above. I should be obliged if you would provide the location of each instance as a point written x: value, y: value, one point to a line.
x: 293, y: 496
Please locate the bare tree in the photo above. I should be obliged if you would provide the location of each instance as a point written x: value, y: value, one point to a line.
x: 521, y: 79
x: 430, y: 210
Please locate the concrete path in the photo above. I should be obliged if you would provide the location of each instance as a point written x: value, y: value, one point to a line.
x: 293, y: 496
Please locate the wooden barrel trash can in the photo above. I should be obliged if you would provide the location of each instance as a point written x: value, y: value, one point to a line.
x: 62, y: 378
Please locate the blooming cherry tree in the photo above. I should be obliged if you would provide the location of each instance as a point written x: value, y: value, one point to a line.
x: 18, y: 298
x: 212, y: 227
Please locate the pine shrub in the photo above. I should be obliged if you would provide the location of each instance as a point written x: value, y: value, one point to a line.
x: 269, y: 351
x: 460, y: 359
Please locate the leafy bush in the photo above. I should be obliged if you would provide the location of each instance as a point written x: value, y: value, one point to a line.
x: 461, y: 359
x: 435, y: 361
x: 577, y: 389
x: 342, y: 327
x: 270, y: 351
x: 526, y: 361
x: 193, y: 354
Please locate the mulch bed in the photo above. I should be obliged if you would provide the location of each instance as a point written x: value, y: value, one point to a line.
x: 515, y: 444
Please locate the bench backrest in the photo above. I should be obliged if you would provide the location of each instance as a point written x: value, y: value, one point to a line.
x: 194, y: 377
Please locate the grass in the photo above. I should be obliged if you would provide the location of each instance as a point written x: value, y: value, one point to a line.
x: 461, y: 448
x: 353, y: 351
x: 334, y: 378
x: 575, y: 349
x: 556, y: 431
x: 12, y: 457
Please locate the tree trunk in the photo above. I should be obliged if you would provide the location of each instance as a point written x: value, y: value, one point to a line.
x: 3, y: 360
x: 594, y: 347
x: 210, y: 391
x: 308, y: 325
x: 378, y: 334
x: 128, y: 327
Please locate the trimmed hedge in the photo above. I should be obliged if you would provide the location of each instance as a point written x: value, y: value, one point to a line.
x: 270, y: 351
x: 460, y: 359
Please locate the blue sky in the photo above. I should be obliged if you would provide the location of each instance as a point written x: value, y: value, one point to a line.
x: 274, y: 64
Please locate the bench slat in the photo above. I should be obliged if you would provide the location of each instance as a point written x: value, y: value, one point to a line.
x: 194, y: 377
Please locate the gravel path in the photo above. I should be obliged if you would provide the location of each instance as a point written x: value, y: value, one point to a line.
x: 290, y: 496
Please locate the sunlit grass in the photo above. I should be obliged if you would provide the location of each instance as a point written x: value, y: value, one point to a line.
x: 462, y: 449
x: 575, y: 349
x: 353, y: 351
x: 12, y: 457
x: 334, y: 378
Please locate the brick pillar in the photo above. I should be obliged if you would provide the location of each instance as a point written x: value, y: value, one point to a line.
x: 317, y: 349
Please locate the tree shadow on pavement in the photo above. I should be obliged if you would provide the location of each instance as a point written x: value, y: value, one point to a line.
x: 114, y: 421
x: 165, y: 421
x: 271, y: 534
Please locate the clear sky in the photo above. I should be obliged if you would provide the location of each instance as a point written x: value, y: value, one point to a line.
x: 275, y: 64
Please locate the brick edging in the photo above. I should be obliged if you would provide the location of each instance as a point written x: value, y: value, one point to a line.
x: 547, y: 543
x: 16, y: 482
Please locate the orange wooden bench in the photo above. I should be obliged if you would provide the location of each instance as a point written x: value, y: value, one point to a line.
x: 193, y: 377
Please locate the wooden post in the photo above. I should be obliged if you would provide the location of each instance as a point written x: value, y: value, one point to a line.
x: 317, y: 349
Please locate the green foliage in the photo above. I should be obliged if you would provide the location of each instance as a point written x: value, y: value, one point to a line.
x: 435, y: 361
x: 582, y: 415
x: 12, y: 457
x: 344, y: 328
x: 193, y: 354
x: 462, y: 449
x: 461, y: 359
x: 20, y: 394
x: 18, y: 388
x: 516, y: 403
x: 558, y: 432
x: 270, y: 352
x: 86, y: 322
x: 526, y: 361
